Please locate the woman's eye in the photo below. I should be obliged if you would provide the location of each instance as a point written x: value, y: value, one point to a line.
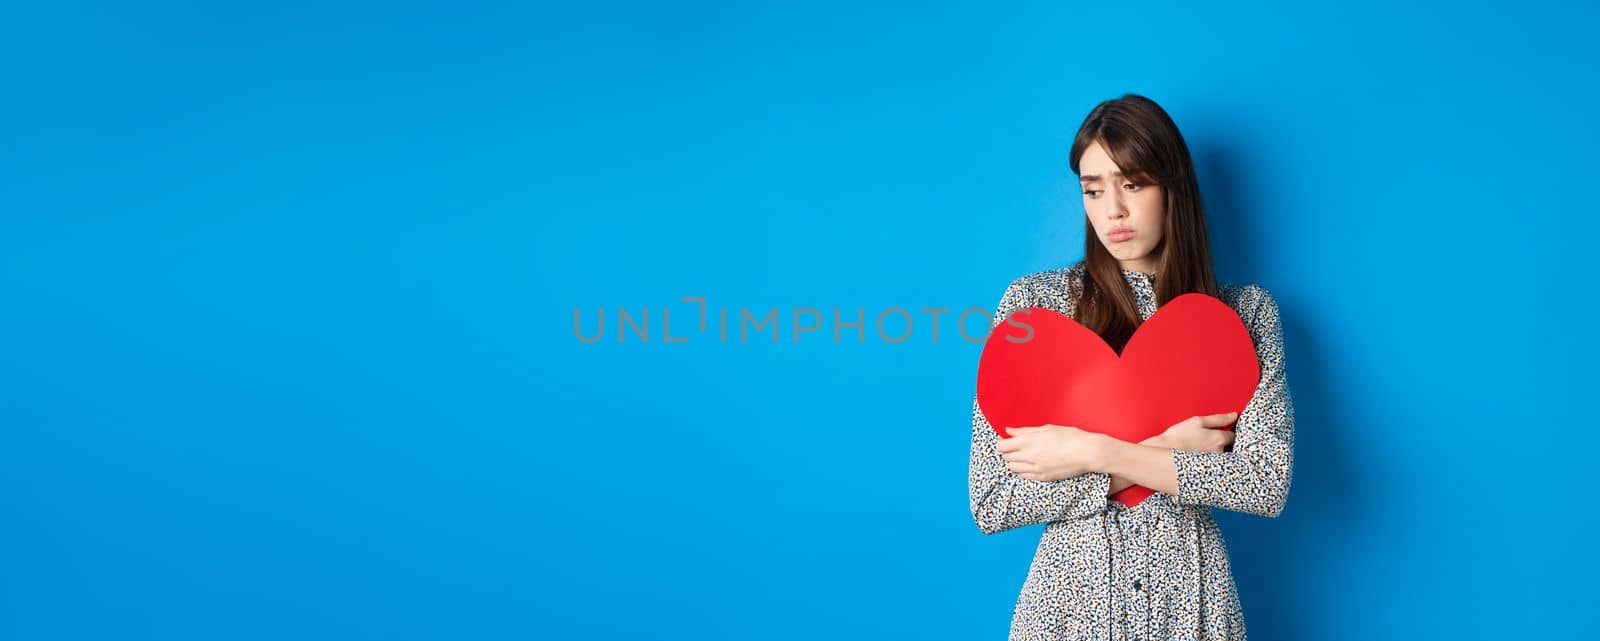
x: 1091, y: 192
x: 1132, y: 186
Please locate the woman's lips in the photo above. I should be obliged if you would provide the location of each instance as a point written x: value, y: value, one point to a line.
x: 1119, y: 236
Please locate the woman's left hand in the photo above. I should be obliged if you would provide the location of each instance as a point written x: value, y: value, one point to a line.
x: 1050, y: 452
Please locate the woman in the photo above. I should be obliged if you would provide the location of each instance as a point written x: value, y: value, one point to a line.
x: 1158, y: 570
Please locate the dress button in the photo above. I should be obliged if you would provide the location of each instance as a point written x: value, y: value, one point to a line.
x: 1136, y: 585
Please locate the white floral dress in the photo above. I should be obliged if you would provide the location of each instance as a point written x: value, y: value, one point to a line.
x: 1158, y: 570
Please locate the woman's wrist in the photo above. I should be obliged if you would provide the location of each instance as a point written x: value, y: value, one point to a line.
x: 1113, y: 454
x: 1140, y: 464
x: 1108, y: 451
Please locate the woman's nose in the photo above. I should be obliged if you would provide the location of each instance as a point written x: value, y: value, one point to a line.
x: 1113, y: 207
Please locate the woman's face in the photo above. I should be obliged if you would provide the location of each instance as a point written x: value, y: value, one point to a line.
x: 1128, y: 214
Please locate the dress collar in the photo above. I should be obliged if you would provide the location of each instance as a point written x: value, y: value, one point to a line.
x: 1139, y: 276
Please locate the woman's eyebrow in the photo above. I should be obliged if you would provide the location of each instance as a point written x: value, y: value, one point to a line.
x: 1093, y: 177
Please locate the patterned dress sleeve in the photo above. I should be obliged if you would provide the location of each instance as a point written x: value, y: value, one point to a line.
x: 1254, y: 477
x: 1001, y: 499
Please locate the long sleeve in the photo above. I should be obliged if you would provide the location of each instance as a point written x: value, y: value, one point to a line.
x: 1254, y: 477
x: 1003, y: 500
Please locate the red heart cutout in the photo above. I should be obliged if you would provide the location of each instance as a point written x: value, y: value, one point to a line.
x: 1192, y: 357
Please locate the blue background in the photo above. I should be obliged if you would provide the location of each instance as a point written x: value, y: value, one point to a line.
x: 289, y: 295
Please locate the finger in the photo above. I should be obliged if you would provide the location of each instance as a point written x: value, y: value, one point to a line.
x: 1021, y: 434
x: 1219, y: 420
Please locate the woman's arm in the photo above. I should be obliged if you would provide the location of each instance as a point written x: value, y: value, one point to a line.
x: 1000, y: 498
x: 1120, y: 483
x: 1253, y: 478
x: 1147, y: 465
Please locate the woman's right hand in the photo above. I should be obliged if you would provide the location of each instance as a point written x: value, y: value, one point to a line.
x: 1199, y: 433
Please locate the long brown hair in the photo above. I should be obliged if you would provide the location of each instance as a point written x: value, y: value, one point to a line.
x: 1144, y: 141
